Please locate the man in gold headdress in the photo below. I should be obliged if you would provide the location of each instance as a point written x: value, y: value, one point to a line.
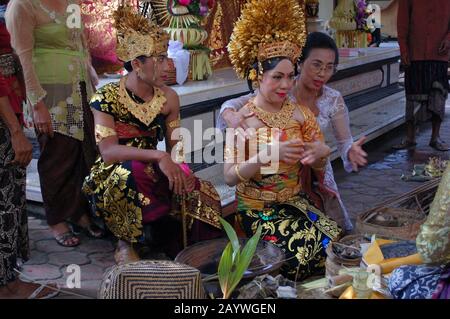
x: 132, y: 185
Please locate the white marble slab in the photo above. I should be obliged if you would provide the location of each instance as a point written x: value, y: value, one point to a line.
x: 220, y: 84
x: 224, y: 82
x: 368, y: 55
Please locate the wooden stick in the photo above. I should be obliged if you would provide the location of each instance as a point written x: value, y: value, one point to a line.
x: 183, y: 219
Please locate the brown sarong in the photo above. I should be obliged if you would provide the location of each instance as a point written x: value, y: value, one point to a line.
x: 62, y: 167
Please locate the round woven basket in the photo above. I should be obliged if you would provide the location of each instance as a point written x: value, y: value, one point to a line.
x: 390, y: 222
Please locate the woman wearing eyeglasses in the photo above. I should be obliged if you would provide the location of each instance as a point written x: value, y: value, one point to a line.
x: 317, y: 64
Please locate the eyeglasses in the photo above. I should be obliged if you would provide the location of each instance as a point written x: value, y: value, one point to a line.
x: 317, y: 67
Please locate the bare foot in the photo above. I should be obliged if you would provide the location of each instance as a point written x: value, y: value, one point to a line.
x: 125, y: 253
x: 23, y: 290
x: 64, y: 235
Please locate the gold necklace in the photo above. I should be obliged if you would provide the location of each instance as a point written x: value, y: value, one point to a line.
x: 144, y: 112
x: 278, y: 119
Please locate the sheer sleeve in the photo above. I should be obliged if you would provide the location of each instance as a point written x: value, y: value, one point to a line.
x: 21, y: 22
x: 341, y: 129
x: 433, y: 240
x: 235, y: 104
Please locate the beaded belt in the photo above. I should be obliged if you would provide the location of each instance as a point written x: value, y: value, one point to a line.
x: 8, y: 65
x: 265, y: 195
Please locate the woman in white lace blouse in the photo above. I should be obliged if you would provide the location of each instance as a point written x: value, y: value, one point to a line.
x: 317, y: 65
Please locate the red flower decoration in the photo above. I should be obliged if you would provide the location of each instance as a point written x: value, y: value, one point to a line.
x: 272, y: 239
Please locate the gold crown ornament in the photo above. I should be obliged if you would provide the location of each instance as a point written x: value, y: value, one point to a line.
x: 266, y: 29
x: 137, y: 35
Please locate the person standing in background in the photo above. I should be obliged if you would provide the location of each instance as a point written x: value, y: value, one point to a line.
x: 59, y: 80
x: 15, y: 155
x: 424, y: 37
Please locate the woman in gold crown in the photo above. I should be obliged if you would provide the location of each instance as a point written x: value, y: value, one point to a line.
x: 264, y: 48
x: 132, y: 185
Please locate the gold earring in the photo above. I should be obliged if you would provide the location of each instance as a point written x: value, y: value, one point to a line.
x: 139, y: 73
x: 155, y: 68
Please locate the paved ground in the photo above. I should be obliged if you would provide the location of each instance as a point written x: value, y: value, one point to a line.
x: 360, y: 191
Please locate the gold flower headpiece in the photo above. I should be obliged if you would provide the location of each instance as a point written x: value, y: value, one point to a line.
x: 136, y: 35
x: 266, y: 29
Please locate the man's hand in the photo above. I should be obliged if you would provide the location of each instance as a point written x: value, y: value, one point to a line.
x: 444, y: 47
x: 405, y: 60
x: 173, y: 172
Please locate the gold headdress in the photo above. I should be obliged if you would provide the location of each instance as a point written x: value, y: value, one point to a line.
x: 136, y: 35
x: 267, y: 29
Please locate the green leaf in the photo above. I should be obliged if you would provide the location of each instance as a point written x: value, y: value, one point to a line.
x: 245, y: 259
x: 232, y: 236
x: 224, y: 270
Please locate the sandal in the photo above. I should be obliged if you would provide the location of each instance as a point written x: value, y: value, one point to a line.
x: 62, y: 239
x: 404, y: 145
x: 439, y: 145
x: 54, y: 291
x: 92, y: 230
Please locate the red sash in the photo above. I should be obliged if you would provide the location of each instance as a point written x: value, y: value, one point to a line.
x: 124, y: 130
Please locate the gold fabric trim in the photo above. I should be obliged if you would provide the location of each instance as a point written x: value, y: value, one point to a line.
x: 102, y: 132
x: 326, y: 225
x: 144, y: 112
x: 279, y: 119
x: 310, y: 128
x: 268, y: 196
x: 433, y: 241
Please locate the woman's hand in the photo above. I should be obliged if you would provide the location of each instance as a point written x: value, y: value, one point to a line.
x: 42, y: 120
x: 93, y: 76
x: 173, y: 172
x: 291, y: 151
x: 314, y: 151
x: 23, y: 149
x: 237, y: 121
x: 356, y: 154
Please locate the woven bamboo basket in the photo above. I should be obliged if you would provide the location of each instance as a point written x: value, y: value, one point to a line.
x: 393, y: 222
x: 401, y: 216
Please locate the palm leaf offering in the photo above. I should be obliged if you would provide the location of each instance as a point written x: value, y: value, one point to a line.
x: 234, y: 261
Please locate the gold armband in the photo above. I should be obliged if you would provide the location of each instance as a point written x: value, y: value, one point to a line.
x: 236, y: 170
x: 102, y: 132
x: 174, y: 124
